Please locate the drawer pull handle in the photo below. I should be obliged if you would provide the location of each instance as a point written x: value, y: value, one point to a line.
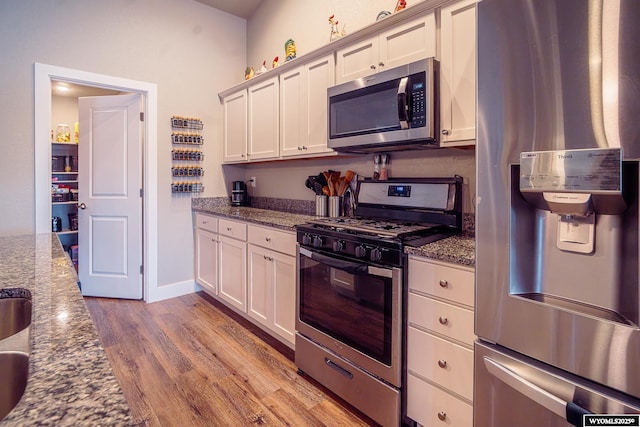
x: 228, y: 228
x: 443, y: 320
x: 442, y: 415
x: 268, y: 239
x: 338, y: 368
x: 442, y: 363
x: 444, y: 284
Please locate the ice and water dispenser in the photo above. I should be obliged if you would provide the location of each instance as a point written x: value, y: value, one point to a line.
x: 574, y: 232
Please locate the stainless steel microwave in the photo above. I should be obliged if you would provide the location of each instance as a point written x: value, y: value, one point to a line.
x: 392, y: 110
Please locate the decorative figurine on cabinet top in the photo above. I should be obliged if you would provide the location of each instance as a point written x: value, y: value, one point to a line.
x: 248, y: 73
x: 274, y: 63
x: 263, y: 68
x: 290, y: 49
x: 335, y: 33
x: 383, y: 14
x: 401, y: 4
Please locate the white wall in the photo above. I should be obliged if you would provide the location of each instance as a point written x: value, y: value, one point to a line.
x: 191, y: 51
x: 306, y: 21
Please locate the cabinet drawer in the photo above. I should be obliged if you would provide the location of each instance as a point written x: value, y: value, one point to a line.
x: 442, y: 280
x: 235, y: 229
x: 446, y: 319
x: 207, y: 222
x: 271, y: 238
x: 440, y: 361
x: 431, y: 406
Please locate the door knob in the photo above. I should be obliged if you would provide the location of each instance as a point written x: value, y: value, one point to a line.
x: 81, y: 206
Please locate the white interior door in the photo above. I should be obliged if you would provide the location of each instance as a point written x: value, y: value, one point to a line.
x: 109, y: 202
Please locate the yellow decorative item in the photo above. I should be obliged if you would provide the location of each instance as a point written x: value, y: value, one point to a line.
x: 63, y: 134
x: 290, y: 49
x: 76, y: 132
x: 248, y: 73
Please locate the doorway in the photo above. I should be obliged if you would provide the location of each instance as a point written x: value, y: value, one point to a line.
x: 43, y: 77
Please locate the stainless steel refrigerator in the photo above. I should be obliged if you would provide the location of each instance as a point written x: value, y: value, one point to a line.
x: 557, y: 221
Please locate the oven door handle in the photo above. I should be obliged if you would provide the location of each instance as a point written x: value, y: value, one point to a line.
x: 348, y: 266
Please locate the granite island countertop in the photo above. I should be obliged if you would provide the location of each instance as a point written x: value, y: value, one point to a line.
x: 71, y: 382
x: 458, y: 249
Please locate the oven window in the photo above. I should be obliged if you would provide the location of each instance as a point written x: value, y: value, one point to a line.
x: 355, y: 309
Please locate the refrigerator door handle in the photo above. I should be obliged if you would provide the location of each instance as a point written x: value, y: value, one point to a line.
x: 567, y: 410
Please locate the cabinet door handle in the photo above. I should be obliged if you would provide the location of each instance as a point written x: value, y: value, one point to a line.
x: 268, y: 239
x: 444, y: 284
x: 445, y: 131
x: 228, y: 228
x: 443, y: 320
x: 442, y: 363
x: 442, y: 415
x: 381, y: 64
x: 373, y: 67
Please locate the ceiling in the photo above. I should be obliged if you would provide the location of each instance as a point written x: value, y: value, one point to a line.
x: 242, y: 8
x: 75, y: 90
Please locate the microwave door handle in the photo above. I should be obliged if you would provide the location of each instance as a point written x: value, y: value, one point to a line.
x: 348, y: 266
x: 567, y: 410
x: 403, y: 103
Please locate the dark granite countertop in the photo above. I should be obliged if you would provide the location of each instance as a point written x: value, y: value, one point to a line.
x: 71, y: 382
x: 457, y: 249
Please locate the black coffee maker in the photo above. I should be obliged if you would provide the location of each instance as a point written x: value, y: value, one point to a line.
x: 239, y: 196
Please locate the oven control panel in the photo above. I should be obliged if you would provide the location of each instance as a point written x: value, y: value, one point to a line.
x: 379, y: 251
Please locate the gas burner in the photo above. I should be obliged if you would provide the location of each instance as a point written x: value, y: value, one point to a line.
x: 383, y: 228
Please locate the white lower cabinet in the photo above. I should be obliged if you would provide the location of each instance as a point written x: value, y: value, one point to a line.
x: 232, y: 263
x: 272, y: 280
x: 440, y: 343
x: 431, y: 406
x: 250, y: 268
x: 206, y: 252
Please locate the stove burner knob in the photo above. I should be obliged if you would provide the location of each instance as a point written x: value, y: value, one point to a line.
x: 376, y: 254
x: 361, y: 251
x: 318, y: 241
x: 339, y: 245
x: 306, y: 239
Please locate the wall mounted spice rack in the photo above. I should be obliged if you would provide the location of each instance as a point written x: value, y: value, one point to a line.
x: 186, y: 131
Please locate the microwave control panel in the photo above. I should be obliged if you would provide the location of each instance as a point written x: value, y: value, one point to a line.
x: 418, y: 100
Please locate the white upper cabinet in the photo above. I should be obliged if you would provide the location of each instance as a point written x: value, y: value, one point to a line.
x: 263, y: 140
x: 303, y: 108
x: 458, y: 73
x: 402, y: 44
x: 235, y: 127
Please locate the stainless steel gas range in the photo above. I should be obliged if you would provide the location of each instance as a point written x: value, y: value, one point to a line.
x: 350, y: 288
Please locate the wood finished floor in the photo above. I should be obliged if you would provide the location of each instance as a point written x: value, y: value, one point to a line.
x: 190, y: 361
